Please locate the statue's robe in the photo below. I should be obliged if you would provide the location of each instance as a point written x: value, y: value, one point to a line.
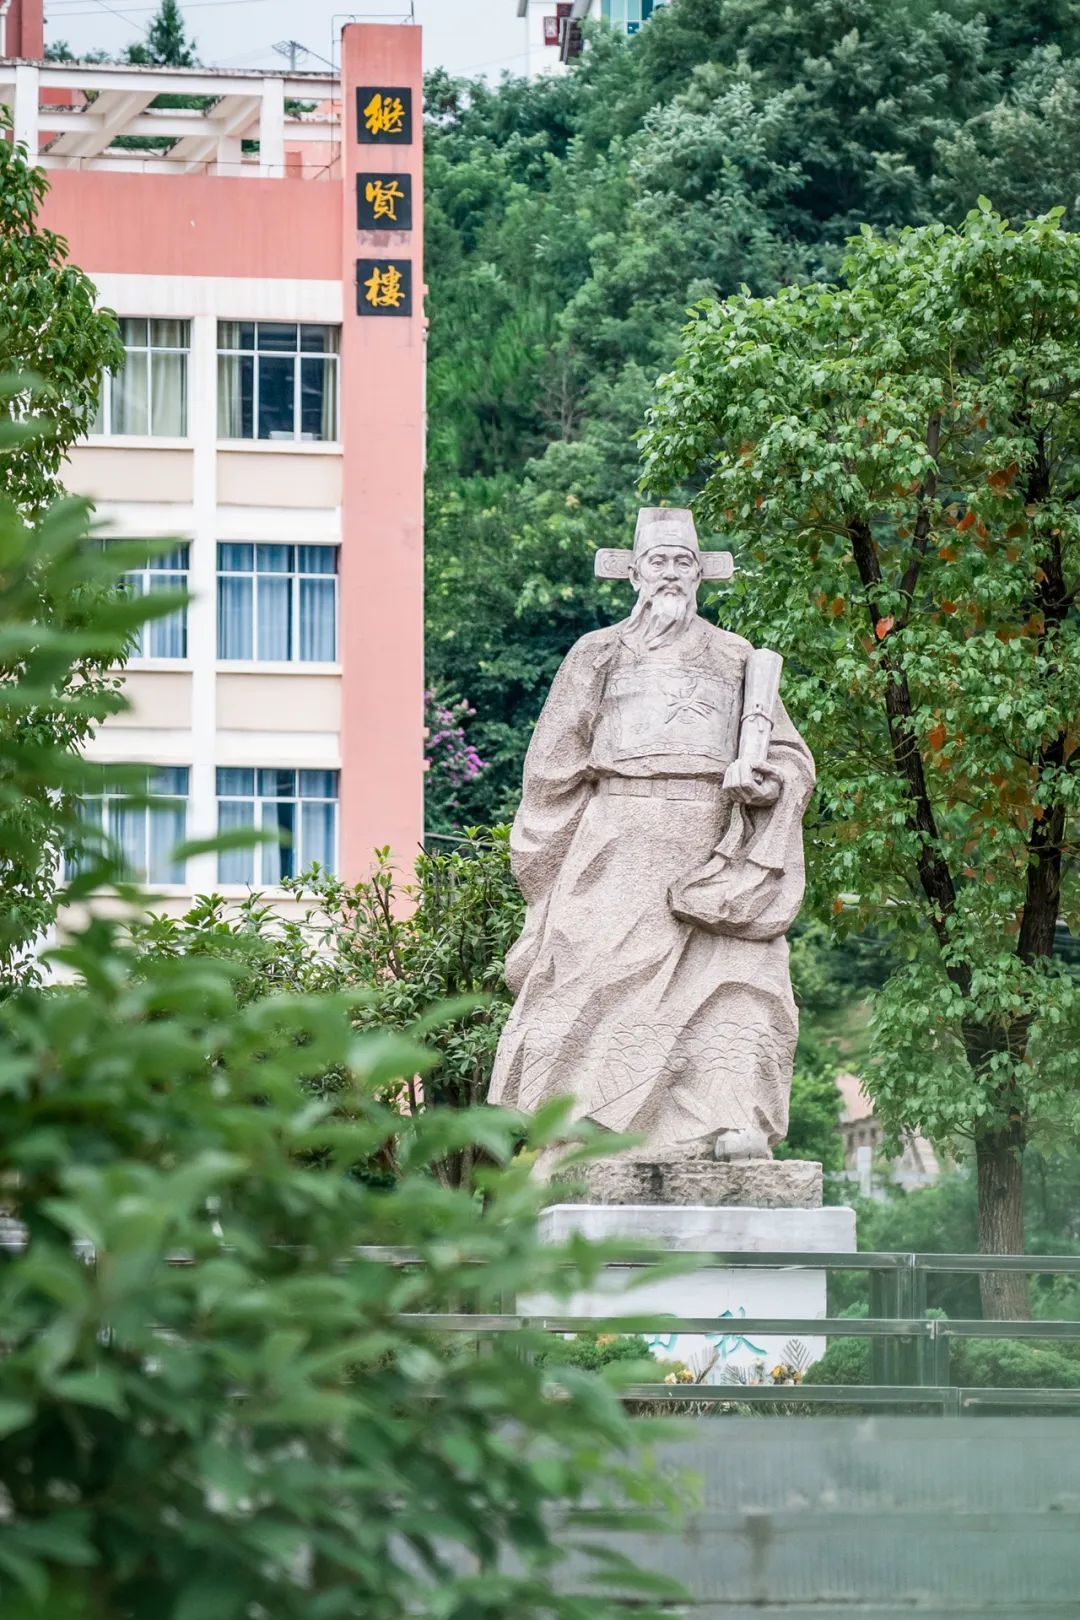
x: 652, y: 1024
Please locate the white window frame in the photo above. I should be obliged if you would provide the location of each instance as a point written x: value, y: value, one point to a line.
x: 151, y: 577
x: 294, y: 576
x: 330, y: 358
x: 257, y: 800
x: 102, y: 426
x: 112, y: 794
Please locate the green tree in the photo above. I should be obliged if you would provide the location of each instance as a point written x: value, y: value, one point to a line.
x: 57, y: 344
x: 51, y: 333
x: 166, y: 43
x: 897, y: 459
x: 573, y: 220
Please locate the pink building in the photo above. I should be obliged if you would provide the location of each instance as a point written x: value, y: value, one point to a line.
x: 263, y: 250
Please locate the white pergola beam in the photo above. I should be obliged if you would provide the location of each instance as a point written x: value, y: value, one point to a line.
x: 113, y: 114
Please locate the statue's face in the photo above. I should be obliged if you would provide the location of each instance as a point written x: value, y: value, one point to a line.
x: 667, y: 571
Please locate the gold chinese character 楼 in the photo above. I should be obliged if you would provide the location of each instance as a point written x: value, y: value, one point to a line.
x: 384, y: 115
x: 384, y: 198
x: 383, y: 289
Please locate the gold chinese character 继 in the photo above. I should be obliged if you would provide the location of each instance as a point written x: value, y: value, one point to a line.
x: 383, y: 289
x: 384, y: 198
x: 384, y: 115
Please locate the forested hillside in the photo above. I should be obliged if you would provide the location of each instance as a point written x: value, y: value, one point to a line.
x: 572, y: 221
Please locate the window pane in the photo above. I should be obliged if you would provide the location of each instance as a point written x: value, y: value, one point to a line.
x: 236, y: 865
x: 276, y: 405
x: 318, y: 602
x: 234, y: 779
x: 168, y: 824
x: 169, y: 395
x: 277, y: 784
x: 317, y: 559
x: 318, y: 784
x: 134, y: 331
x: 236, y: 334
x: 169, y: 334
x: 317, y: 835
x: 236, y: 396
x: 318, y: 398
x: 169, y: 779
x: 273, y: 559
x: 167, y: 637
x: 279, y: 860
x: 275, y: 617
x: 177, y: 560
x: 234, y: 601
x: 319, y: 339
x: 127, y: 823
x: 277, y: 336
x: 234, y: 558
x: 129, y: 396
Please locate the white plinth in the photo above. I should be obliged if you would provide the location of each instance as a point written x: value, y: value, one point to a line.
x: 713, y: 1291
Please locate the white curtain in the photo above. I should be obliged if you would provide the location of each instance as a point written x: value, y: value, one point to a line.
x: 130, y: 395
x: 230, y: 397
x: 169, y: 394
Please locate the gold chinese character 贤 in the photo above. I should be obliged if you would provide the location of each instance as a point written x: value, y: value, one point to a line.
x: 384, y: 115
x: 383, y: 288
x: 384, y: 197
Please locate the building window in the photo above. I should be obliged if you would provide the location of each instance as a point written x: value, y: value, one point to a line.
x: 166, y: 637
x: 148, y: 395
x: 299, y: 806
x: 277, y: 603
x: 627, y: 14
x: 145, y: 833
x: 277, y: 380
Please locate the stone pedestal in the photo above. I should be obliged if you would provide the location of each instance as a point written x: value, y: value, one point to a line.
x: 761, y: 1206
x: 690, y: 1183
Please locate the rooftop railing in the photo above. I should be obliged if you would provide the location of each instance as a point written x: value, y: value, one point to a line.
x: 83, y: 115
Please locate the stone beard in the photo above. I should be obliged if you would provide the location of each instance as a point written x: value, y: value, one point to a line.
x: 661, y: 861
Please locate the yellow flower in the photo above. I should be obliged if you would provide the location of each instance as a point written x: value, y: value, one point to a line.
x: 671, y: 1378
x: 606, y: 1338
x: 686, y: 1376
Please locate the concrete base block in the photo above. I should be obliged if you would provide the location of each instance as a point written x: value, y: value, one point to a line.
x: 715, y: 1291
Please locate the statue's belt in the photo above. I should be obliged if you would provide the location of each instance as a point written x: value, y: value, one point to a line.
x: 663, y: 787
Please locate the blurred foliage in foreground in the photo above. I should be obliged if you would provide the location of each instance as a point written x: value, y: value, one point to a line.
x: 210, y: 1403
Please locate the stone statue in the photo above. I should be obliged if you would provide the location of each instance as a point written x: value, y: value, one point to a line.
x: 659, y: 848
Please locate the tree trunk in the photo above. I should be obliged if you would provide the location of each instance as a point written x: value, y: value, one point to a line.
x: 1000, y: 1166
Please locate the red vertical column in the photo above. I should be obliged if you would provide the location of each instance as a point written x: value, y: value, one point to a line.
x: 382, y: 401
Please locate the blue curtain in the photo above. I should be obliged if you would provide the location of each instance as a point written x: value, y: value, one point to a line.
x: 318, y: 827
x: 235, y: 617
x: 168, y: 827
x: 318, y: 630
x: 236, y: 865
x: 275, y: 616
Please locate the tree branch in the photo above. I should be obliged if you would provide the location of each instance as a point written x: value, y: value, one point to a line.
x: 934, y: 874
x: 1042, y: 897
x: 922, y: 522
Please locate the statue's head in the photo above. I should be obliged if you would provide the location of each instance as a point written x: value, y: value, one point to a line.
x: 665, y: 570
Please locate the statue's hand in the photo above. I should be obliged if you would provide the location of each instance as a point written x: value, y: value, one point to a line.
x: 747, y: 786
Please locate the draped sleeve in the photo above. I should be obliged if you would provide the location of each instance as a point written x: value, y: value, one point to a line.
x: 558, y: 777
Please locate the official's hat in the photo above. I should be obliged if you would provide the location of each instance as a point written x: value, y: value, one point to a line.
x: 664, y: 526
